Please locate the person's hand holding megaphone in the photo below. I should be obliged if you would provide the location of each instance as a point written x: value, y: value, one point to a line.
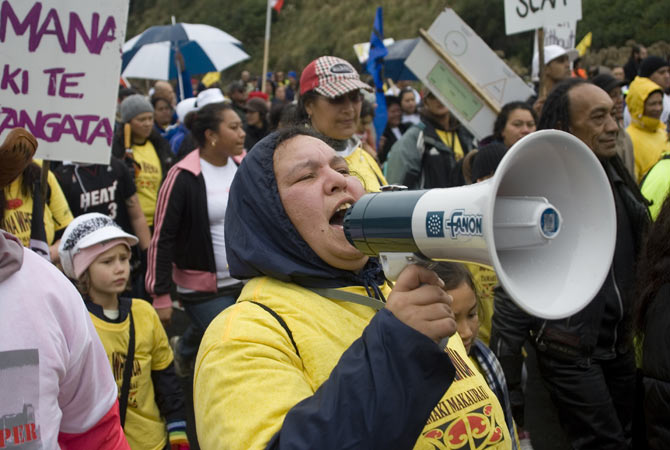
x: 419, y: 301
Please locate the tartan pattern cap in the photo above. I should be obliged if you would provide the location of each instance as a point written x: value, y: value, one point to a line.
x: 331, y: 77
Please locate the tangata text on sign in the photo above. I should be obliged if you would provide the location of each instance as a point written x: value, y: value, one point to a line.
x: 59, y: 74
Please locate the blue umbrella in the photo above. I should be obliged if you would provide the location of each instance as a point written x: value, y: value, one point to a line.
x: 394, y: 61
x: 204, y: 48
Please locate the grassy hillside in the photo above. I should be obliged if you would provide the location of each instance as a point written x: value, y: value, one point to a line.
x: 306, y: 29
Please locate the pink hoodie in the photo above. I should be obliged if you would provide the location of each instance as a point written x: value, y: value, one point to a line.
x: 56, y: 387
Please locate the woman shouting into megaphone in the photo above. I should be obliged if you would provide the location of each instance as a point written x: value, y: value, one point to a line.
x: 319, y: 351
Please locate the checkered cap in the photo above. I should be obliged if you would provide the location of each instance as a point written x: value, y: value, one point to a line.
x: 330, y: 77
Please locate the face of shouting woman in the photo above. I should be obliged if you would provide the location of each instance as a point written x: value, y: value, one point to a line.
x: 316, y: 189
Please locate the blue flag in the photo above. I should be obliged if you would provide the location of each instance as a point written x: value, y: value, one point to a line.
x: 374, y: 67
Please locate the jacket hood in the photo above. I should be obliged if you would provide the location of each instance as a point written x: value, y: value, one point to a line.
x: 638, y: 91
x: 261, y: 240
x: 11, y: 255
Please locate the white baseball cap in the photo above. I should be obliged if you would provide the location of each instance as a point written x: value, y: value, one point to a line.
x: 551, y: 52
x: 84, y: 232
x: 184, y: 107
x: 212, y: 95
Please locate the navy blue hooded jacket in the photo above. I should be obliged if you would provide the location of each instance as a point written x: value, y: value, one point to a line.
x: 384, y: 387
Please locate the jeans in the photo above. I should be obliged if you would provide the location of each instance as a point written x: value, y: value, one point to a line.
x: 201, y: 314
x: 595, y: 404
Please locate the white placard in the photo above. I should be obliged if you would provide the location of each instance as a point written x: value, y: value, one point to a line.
x: 525, y: 15
x: 59, y: 79
x: 562, y: 34
x: 477, y: 62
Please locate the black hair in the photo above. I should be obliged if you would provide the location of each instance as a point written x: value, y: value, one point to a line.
x: 654, y: 266
x: 305, y: 99
x: 30, y: 175
x: 283, y: 115
x: 236, y: 86
x: 503, y: 117
x: 289, y: 115
x: 155, y: 99
x: 454, y: 274
x: 392, y: 100
x: 367, y: 109
x: 206, y: 118
x: 486, y: 160
x: 288, y: 133
x: 126, y: 92
x: 556, y: 110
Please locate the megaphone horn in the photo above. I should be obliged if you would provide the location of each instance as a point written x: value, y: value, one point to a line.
x: 545, y: 221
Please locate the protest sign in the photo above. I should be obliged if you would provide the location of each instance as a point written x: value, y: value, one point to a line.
x: 525, y: 15
x: 61, y: 61
x: 562, y: 34
x: 465, y: 74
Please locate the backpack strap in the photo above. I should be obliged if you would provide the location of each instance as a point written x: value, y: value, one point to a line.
x: 127, y: 370
x: 281, y: 322
x: 349, y: 297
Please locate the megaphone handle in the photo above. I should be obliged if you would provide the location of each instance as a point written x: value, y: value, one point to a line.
x: 394, y: 263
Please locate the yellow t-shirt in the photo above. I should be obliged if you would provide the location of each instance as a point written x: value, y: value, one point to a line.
x: 469, y: 416
x: 247, y: 363
x: 485, y: 280
x: 145, y: 429
x: 19, y: 210
x: 364, y: 166
x: 147, y: 178
x: 451, y: 140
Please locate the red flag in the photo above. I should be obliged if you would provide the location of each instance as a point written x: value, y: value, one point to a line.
x: 277, y: 4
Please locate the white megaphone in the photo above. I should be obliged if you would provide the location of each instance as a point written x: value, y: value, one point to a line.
x: 545, y: 221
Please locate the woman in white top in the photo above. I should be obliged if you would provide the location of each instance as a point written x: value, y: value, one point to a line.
x: 187, y: 254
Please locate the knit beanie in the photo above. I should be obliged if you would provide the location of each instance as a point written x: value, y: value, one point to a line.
x: 133, y: 106
x: 487, y: 160
x: 15, y: 154
x: 651, y: 64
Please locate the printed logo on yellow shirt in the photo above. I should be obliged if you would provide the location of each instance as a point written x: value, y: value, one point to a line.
x: 148, y: 178
x: 118, y: 366
x: 466, y: 417
x: 477, y: 430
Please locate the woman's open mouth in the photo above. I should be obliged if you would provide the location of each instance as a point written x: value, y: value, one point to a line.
x: 337, y: 218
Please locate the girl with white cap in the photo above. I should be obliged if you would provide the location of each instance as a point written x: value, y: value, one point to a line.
x: 96, y: 253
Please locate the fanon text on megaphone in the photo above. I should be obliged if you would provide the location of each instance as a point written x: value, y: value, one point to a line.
x: 546, y: 223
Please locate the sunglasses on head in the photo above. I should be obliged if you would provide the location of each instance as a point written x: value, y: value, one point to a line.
x: 353, y: 97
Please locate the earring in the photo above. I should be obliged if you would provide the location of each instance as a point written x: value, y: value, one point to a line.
x: 213, y: 143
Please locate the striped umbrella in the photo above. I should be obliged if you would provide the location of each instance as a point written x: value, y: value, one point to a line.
x: 205, y: 49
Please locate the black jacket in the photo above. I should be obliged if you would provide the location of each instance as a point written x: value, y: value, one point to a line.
x: 656, y: 371
x: 181, y: 247
x: 254, y: 134
x: 383, y: 151
x: 582, y: 336
x: 421, y: 160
